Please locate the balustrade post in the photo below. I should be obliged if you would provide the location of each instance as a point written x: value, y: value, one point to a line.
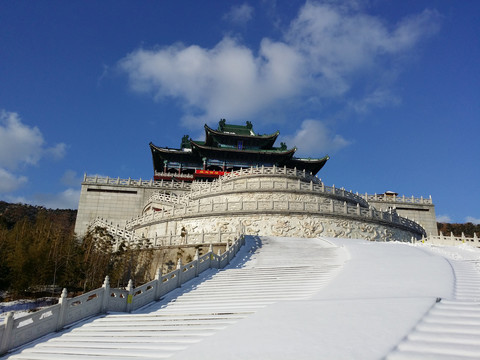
x: 195, y: 258
x: 358, y: 209
x: 63, y: 310
x: 158, y: 278
x: 345, y: 207
x: 203, y: 236
x: 226, y: 203
x: 441, y: 236
x: 180, y: 271
x: 452, y: 238
x: 475, y: 238
x: 129, y: 296
x: 7, y: 333
x: 463, y: 237
x: 106, y: 294
x: 333, y: 189
x: 311, y: 185
x: 332, y: 206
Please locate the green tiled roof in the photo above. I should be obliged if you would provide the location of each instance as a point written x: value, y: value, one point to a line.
x: 236, y: 129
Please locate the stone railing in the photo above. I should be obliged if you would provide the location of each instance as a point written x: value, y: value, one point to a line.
x: 274, y: 170
x: 131, y: 238
x: 274, y: 206
x: 100, y: 180
x: 166, y: 198
x: 183, y: 176
x: 119, y: 234
x: 15, y: 332
x: 220, y: 187
x: 398, y: 199
x: 452, y: 240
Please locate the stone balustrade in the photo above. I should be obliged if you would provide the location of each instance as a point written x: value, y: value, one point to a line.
x: 271, y: 206
x: 166, y: 198
x: 274, y: 170
x: 161, y: 184
x: 246, y: 184
x: 131, y: 238
x: 452, y: 240
x: 15, y: 332
x: 398, y: 199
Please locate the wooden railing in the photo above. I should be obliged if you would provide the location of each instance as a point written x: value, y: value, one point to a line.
x: 15, y: 332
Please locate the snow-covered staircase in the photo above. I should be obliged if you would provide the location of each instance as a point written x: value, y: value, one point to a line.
x: 451, y: 329
x: 265, y: 271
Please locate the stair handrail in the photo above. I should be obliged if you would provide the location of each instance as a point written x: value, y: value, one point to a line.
x: 15, y: 332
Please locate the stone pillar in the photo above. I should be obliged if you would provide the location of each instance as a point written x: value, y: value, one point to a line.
x: 7, y: 333
x: 158, y: 286
x: 106, y: 294
x: 63, y: 310
x: 130, y: 296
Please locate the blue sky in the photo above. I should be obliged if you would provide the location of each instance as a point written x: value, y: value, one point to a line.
x: 389, y: 89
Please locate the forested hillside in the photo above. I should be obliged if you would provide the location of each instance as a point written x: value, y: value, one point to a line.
x: 468, y: 229
x: 39, y: 253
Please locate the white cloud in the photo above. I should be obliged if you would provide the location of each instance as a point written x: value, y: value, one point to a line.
x: 10, y: 182
x: 239, y: 14
x: 325, y: 50
x: 444, y: 219
x: 473, y: 220
x: 21, y: 144
x: 67, y: 199
x: 70, y: 178
x: 314, y: 137
x: 378, y: 98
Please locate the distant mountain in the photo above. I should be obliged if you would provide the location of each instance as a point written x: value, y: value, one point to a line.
x: 10, y: 214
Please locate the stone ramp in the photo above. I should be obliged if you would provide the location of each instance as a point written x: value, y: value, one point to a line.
x: 451, y: 329
x: 265, y: 271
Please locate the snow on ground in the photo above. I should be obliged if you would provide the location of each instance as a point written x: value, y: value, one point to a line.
x: 374, y: 300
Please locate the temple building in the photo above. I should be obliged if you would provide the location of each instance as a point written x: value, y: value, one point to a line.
x: 226, y: 149
x: 253, y: 187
